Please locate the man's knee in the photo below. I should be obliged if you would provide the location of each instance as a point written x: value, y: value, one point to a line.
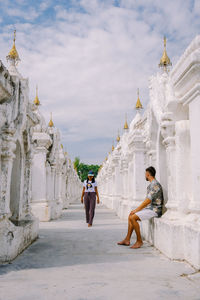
x: 133, y: 217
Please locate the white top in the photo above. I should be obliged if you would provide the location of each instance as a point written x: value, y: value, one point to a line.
x: 89, y: 187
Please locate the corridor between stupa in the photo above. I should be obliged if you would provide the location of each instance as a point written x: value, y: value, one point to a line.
x: 73, y: 262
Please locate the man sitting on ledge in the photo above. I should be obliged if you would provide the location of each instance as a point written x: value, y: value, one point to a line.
x: 151, y: 207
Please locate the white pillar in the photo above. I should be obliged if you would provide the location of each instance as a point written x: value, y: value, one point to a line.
x: 183, y: 166
x: 167, y: 131
x: 116, y: 183
x: 194, y: 114
x: 40, y: 205
x: 138, y: 180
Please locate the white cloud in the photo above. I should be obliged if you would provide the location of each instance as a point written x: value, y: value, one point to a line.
x: 197, y: 7
x: 45, y: 4
x: 28, y: 15
x: 91, y: 59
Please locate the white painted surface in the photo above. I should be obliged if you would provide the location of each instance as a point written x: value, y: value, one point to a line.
x: 71, y: 262
x: 34, y: 171
x: 167, y: 137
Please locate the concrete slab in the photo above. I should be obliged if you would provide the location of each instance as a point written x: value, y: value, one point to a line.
x: 73, y: 262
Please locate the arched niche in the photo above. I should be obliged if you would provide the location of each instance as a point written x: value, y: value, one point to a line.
x: 15, y: 186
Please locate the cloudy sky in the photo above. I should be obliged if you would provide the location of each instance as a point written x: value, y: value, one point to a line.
x: 88, y: 58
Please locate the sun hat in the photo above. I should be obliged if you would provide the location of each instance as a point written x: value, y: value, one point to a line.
x: 90, y: 173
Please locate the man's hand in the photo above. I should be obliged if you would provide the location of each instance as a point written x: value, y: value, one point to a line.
x: 145, y: 203
x: 133, y: 212
x: 98, y: 201
x: 81, y: 199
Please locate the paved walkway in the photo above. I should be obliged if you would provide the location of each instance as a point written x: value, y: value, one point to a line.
x: 72, y: 262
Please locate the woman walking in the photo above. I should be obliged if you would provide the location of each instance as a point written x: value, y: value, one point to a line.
x: 90, y: 192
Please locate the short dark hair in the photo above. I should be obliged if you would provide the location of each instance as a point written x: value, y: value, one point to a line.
x: 151, y: 170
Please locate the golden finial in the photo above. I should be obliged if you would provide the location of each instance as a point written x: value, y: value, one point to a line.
x: 125, y: 124
x: 51, y: 122
x: 13, y: 54
x: 36, y: 101
x: 118, y: 137
x: 113, y: 147
x: 106, y: 158
x: 138, y: 103
x: 61, y: 146
x: 165, y: 61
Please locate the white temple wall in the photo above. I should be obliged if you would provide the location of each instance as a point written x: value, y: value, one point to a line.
x: 30, y: 156
x: 73, y: 188
x: 67, y: 198
x: 63, y: 192
x: 40, y: 204
x: 65, y: 195
x: 166, y: 136
x: 183, y: 166
x: 109, y: 190
x: 59, y: 192
x: 116, y: 186
x: 194, y: 113
x: 18, y: 227
x: 130, y: 176
x: 161, y: 166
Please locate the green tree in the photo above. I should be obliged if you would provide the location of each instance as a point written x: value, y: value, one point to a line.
x: 83, y: 169
x: 76, y: 162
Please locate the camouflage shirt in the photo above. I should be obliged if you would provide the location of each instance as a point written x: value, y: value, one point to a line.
x: 155, y: 194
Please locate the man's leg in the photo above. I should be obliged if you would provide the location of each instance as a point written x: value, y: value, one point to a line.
x: 136, y: 226
x: 126, y: 241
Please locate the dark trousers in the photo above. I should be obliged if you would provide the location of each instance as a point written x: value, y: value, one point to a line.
x: 90, y: 203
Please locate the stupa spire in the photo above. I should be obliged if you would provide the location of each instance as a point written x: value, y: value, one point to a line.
x: 13, y: 54
x: 118, y: 137
x: 51, y: 122
x: 36, y: 100
x: 126, y: 124
x: 138, y: 103
x: 113, y: 147
x: 165, y: 60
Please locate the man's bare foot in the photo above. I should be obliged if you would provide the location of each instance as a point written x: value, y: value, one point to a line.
x: 124, y: 243
x: 89, y: 225
x: 137, y: 245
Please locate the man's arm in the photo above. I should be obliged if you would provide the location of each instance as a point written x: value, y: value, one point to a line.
x: 144, y: 204
x: 82, y: 194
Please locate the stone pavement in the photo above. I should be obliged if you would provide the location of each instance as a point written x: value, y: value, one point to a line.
x: 73, y: 262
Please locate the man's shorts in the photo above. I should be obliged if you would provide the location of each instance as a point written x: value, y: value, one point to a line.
x: 146, y: 214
